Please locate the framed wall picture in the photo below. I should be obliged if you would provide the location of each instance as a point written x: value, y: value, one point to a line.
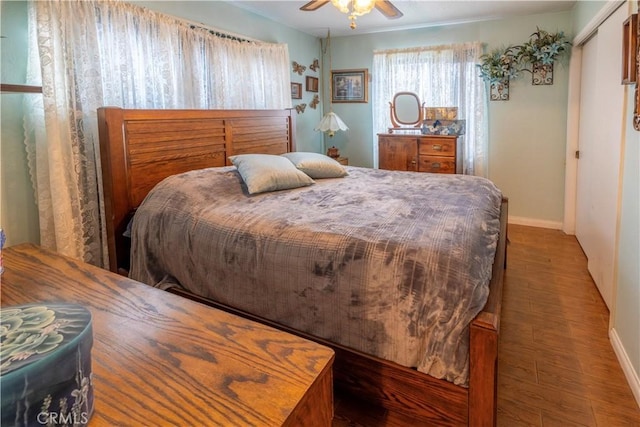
x: 629, y: 48
x: 296, y: 90
x: 311, y: 84
x: 350, y: 85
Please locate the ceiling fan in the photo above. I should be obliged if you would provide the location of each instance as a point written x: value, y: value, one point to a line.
x: 355, y: 8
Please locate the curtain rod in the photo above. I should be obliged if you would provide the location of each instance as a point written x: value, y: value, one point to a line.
x: 218, y: 32
x: 213, y: 30
x: 425, y: 48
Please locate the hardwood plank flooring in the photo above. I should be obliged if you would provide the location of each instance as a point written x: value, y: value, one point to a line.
x: 556, y: 364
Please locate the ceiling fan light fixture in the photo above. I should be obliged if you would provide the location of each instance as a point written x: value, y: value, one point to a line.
x: 362, y: 7
x: 354, y: 8
x: 341, y: 5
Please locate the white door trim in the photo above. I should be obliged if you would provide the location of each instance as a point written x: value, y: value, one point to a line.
x: 573, y: 113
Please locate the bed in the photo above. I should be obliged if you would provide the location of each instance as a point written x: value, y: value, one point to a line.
x: 140, y: 148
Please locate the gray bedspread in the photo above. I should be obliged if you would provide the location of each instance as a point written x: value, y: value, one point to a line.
x: 394, y: 264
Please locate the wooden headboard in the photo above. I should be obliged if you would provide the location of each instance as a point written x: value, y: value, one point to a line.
x: 139, y: 148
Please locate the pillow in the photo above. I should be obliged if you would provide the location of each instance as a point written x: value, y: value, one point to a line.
x: 316, y: 165
x: 266, y: 172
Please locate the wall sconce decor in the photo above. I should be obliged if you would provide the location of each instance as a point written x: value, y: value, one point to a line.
x: 541, y: 51
x: 502, y: 65
x: 498, y: 67
x: 499, y: 91
x: 542, y: 73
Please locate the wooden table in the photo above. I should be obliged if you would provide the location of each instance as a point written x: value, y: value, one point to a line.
x: 159, y: 359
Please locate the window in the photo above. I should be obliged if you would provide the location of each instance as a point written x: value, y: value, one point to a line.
x: 441, y: 76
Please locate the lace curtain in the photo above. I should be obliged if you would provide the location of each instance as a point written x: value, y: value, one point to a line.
x: 89, y: 54
x: 441, y: 76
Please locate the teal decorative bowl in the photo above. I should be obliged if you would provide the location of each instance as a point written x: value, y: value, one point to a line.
x: 45, y: 365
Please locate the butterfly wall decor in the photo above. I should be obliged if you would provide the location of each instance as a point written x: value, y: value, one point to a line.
x: 297, y: 68
x: 315, y: 65
x: 300, y: 108
x: 314, y: 102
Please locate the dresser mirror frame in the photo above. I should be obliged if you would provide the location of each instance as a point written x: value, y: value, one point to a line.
x: 406, y: 111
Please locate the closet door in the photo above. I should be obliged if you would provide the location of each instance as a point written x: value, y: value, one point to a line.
x: 600, y: 137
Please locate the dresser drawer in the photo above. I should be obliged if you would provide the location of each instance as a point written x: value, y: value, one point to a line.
x: 437, y: 146
x: 437, y: 164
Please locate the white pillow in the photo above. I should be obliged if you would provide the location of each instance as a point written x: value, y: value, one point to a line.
x: 316, y: 165
x: 267, y: 172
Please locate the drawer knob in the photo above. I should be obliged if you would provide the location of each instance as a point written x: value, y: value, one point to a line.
x: 435, y: 165
x: 437, y: 147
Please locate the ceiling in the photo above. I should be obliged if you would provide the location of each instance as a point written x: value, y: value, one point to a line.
x: 417, y: 14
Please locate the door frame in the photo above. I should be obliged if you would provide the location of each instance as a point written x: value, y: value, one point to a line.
x: 573, y: 113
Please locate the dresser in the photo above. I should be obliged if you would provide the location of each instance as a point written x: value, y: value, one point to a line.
x: 160, y: 359
x: 419, y: 153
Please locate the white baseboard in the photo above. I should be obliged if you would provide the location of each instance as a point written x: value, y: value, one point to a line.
x: 627, y: 367
x: 532, y: 222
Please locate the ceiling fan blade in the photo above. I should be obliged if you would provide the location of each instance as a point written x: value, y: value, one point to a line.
x: 313, y: 5
x: 388, y: 9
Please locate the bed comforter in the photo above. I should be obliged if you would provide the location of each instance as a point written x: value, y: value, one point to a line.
x: 393, y: 264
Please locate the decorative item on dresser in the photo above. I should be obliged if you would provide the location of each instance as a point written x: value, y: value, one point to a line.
x: 333, y: 152
x: 160, y: 359
x: 419, y: 153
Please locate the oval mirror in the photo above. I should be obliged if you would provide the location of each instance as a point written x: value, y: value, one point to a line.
x: 406, y: 110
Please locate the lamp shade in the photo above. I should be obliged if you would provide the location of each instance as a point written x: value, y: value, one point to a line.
x: 331, y: 123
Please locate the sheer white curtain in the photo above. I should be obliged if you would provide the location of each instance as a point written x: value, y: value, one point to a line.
x: 442, y: 76
x: 89, y: 54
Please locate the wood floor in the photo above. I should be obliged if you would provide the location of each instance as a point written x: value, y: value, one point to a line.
x: 556, y: 364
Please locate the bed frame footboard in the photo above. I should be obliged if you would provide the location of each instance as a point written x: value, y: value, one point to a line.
x: 407, y: 391
x: 139, y: 148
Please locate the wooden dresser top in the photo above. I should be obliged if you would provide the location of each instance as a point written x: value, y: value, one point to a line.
x: 161, y: 359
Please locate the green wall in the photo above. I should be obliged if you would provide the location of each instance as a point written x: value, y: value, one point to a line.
x: 626, y: 319
x: 18, y: 211
x: 527, y: 134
